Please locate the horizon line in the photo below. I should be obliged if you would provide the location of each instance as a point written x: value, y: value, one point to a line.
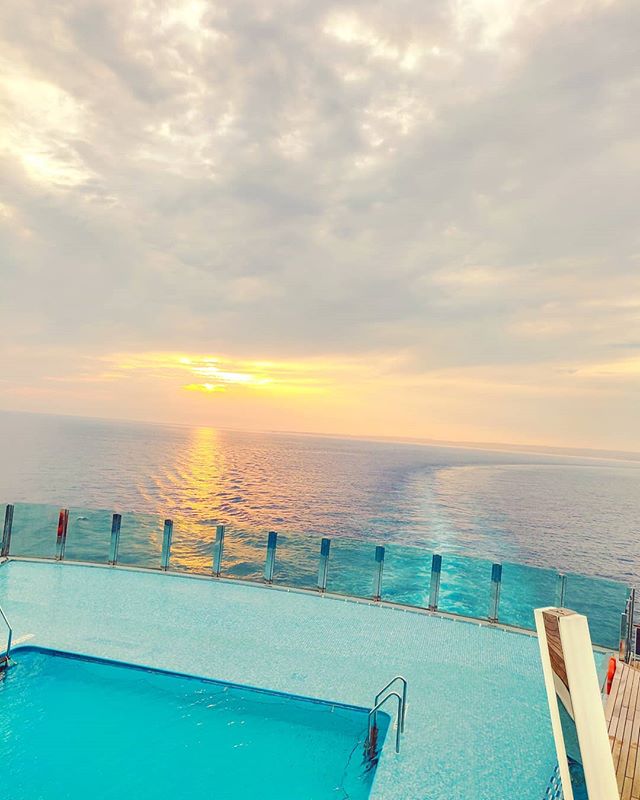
x: 596, y: 453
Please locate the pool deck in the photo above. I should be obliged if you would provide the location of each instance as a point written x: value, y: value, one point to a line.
x: 477, y: 723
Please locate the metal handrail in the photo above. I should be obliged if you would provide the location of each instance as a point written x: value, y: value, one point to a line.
x: 404, y: 696
x: 9, y: 637
x: 372, y: 725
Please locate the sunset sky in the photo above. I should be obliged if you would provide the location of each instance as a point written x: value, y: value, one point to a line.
x: 405, y: 218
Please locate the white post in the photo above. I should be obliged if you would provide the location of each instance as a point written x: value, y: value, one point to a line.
x: 570, y: 679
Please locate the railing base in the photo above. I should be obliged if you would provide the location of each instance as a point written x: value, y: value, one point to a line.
x: 310, y: 592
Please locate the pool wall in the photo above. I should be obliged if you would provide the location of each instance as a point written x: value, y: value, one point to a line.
x: 31, y: 648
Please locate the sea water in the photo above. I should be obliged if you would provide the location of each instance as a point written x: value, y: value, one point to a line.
x: 563, y: 513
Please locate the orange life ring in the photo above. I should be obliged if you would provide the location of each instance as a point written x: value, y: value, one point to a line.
x: 610, y: 673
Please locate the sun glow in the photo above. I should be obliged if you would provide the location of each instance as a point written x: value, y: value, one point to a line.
x: 216, y: 374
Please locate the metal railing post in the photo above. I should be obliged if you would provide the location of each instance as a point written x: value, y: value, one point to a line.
x: 624, y: 627
x: 323, y: 569
x: 377, y: 578
x: 561, y: 590
x: 496, y: 581
x: 218, y: 549
x: 116, y: 522
x: 61, y: 538
x: 6, y: 531
x: 434, y: 586
x: 270, y: 562
x: 166, y: 544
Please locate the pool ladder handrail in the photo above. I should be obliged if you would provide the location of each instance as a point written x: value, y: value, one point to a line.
x: 372, y: 724
x: 372, y: 727
x: 4, y: 660
x: 405, y: 685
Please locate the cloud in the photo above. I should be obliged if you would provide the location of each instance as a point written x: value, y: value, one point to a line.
x: 454, y: 182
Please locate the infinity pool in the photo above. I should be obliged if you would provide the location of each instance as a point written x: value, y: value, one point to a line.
x: 477, y: 717
x: 76, y: 728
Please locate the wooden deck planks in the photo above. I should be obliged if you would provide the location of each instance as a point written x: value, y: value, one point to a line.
x: 622, y: 713
x: 623, y: 728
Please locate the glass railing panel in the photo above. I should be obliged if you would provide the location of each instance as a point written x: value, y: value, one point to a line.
x: 524, y: 589
x: 602, y: 602
x: 465, y: 586
x: 406, y: 575
x: 192, y: 545
x: 34, y: 530
x: 141, y: 540
x: 88, y: 535
x: 244, y: 555
x: 351, y: 567
x: 465, y: 583
x: 297, y: 561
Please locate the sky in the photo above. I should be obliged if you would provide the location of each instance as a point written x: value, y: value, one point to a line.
x: 399, y: 218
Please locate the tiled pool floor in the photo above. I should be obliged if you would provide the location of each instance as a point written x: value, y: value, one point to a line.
x: 477, y: 721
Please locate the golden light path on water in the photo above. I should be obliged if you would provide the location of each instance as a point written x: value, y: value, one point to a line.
x: 203, y: 468
x: 200, y: 466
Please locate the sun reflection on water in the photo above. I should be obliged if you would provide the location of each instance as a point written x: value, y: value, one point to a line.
x: 195, y: 512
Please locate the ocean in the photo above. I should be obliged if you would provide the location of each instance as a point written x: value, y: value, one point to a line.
x: 573, y: 514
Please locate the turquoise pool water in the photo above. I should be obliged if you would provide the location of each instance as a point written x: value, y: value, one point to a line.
x: 77, y: 728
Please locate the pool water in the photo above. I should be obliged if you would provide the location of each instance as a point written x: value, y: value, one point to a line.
x: 76, y: 728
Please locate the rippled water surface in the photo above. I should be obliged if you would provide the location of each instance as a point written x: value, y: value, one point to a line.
x: 573, y: 514
x: 64, y: 721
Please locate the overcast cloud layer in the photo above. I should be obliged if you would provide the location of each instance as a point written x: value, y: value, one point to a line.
x: 443, y: 195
